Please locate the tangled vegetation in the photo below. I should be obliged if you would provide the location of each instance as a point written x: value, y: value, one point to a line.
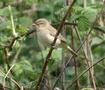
x: 24, y: 66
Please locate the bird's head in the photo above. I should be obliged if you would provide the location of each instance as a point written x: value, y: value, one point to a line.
x: 41, y: 23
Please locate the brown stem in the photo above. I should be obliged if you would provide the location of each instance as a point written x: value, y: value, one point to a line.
x: 77, y: 87
x: 87, y: 58
x: 63, y: 63
x: 96, y: 28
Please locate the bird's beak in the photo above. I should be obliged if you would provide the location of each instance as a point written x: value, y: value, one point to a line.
x: 33, y: 28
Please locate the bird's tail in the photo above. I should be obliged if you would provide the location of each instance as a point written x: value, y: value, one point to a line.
x: 69, y: 49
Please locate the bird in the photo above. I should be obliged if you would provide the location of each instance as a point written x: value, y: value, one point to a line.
x: 46, y: 34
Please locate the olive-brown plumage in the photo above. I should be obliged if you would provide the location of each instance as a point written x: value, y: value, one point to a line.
x: 46, y: 34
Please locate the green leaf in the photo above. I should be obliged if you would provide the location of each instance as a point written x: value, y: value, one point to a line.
x: 90, y: 13
x: 87, y: 89
x: 3, y: 25
x: 56, y: 54
x: 96, y: 40
x: 83, y: 23
x: 24, y: 68
x: 22, y: 29
x: 5, y: 11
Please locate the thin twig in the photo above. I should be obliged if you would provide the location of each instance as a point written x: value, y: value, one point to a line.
x: 77, y: 87
x: 17, y: 54
x: 85, y: 72
x: 11, y: 79
x: 8, y: 73
x: 86, y: 56
x: 96, y: 28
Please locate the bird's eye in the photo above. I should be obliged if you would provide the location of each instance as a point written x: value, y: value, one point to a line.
x: 41, y: 23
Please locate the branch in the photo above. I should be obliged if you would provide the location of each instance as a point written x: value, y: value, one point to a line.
x: 99, y: 29
x: 51, y: 49
x: 95, y: 27
x: 12, y: 41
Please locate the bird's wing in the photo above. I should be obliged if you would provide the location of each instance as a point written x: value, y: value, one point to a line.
x: 53, y: 32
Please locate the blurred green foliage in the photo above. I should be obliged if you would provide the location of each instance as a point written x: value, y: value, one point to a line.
x: 26, y: 54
